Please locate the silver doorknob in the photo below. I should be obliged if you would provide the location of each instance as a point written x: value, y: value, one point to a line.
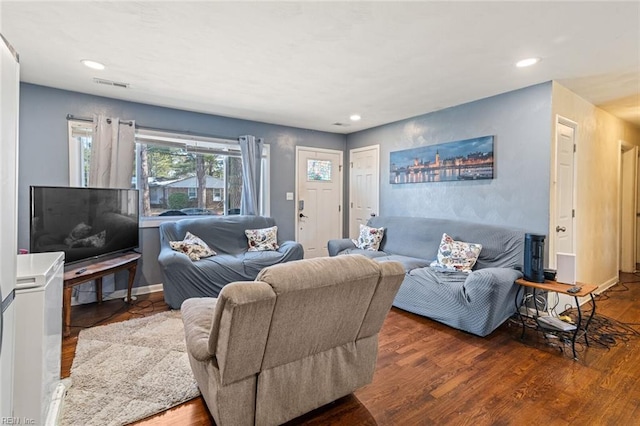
x: 561, y: 229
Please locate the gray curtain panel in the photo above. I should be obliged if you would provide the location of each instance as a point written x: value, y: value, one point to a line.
x: 112, y: 153
x: 111, y: 166
x: 251, y: 149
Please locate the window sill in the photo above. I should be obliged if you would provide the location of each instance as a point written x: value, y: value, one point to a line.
x: 154, y: 222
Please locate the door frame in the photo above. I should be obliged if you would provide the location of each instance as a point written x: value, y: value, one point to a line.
x: 554, y: 188
x: 297, y: 193
x: 377, y: 183
x: 630, y: 184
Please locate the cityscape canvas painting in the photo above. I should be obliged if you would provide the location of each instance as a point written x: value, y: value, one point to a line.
x: 469, y: 159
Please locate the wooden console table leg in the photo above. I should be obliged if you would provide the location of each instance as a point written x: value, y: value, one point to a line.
x: 66, y: 310
x: 132, y: 276
x: 99, y: 289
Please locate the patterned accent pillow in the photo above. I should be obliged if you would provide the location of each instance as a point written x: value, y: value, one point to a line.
x: 193, y: 247
x: 369, y: 238
x: 262, y: 239
x: 456, y: 255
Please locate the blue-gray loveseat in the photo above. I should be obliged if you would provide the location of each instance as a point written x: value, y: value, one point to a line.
x: 184, y: 278
x: 477, y: 302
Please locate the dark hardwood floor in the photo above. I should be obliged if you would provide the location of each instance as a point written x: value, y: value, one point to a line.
x: 431, y: 374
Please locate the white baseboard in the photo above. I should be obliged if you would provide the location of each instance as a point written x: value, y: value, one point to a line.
x: 607, y: 285
x: 55, y: 407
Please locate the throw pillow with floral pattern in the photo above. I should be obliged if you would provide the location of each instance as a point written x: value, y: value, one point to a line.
x: 262, y: 239
x: 369, y: 238
x: 193, y: 247
x: 456, y: 255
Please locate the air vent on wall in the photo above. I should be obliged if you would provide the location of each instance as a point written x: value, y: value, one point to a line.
x: 110, y: 83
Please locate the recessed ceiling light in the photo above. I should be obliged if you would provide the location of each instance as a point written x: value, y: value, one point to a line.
x: 527, y: 62
x: 355, y: 117
x: 92, y: 64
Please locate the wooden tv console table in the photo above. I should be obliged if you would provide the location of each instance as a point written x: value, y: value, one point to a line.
x: 96, y: 271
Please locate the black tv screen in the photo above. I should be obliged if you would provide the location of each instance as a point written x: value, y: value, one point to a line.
x: 84, y: 223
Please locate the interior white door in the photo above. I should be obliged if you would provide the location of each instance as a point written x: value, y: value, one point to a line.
x: 564, y: 220
x: 319, y: 199
x: 638, y: 212
x: 364, y: 183
x: 628, y: 191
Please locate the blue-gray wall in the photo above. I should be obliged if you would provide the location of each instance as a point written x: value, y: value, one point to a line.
x: 44, y: 151
x: 518, y: 195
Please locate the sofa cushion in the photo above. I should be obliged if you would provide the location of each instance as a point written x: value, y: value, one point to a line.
x: 262, y: 239
x: 193, y: 247
x: 456, y: 255
x: 256, y: 261
x: 369, y: 238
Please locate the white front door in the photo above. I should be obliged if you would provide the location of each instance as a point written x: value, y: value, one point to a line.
x: 364, y: 182
x: 319, y: 199
x: 564, y: 218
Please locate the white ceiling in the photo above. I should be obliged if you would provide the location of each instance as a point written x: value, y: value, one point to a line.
x: 313, y: 64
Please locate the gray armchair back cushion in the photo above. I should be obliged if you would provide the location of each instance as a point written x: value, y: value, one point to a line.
x: 317, y: 307
x: 240, y: 328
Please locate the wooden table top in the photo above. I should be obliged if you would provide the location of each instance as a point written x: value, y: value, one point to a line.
x: 97, y: 268
x: 549, y: 285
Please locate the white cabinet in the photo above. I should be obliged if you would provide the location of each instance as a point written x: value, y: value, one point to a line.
x: 38, y: 339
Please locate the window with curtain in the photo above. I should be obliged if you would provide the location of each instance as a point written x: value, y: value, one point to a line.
x: 177, y: 174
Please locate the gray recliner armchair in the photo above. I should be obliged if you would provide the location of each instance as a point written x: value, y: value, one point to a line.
x: 304, y: 334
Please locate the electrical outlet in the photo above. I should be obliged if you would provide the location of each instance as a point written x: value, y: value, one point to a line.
x: 289, y: 196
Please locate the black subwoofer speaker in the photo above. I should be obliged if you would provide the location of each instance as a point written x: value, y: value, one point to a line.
x: 534, y: 258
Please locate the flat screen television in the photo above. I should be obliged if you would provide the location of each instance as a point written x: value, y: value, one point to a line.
x: 84, y: 223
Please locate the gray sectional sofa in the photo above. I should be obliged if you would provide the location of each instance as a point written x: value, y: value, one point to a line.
x: 184, y: 278
x: 476, y: 302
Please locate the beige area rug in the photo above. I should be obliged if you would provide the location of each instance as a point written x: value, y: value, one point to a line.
x: 127, y: 371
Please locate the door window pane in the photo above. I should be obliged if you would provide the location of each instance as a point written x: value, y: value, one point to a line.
x: 319, y: 170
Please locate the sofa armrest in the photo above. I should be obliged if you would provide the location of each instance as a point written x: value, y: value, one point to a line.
x: 498, y: 282
x: 292, y: 250
x: 197, y: 317
x: 336, y: 246
x: 168, y: 257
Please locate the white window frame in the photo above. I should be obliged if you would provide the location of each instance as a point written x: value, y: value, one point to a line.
x: 75, y: 151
